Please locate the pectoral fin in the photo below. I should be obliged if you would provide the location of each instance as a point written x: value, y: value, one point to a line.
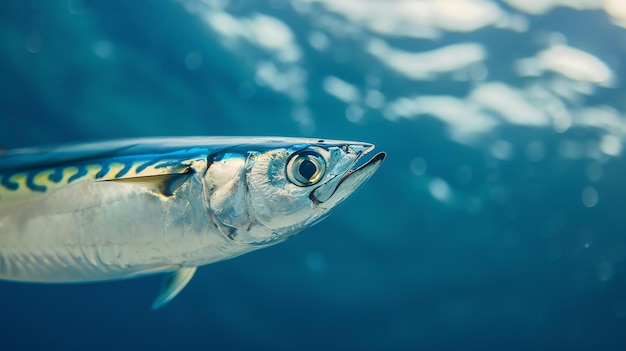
x: 173, y: 283
x: 164, y: 184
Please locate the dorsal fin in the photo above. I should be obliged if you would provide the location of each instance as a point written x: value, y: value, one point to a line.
x: 164, y: 184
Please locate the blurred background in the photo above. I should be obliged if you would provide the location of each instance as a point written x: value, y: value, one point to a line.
x: 496, y: 223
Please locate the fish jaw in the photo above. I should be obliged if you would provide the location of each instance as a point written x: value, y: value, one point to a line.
x: 337, y: 190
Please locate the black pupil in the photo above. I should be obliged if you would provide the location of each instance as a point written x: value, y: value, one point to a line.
x: 307, y: 169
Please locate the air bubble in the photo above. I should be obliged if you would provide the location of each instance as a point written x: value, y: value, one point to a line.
x: 418, y: 166
x: 103, y: 49
x: 354, y: 113
x: 193, y: 60
x: 318, y: 41
x: 611, y: 145
x: 590, y: 196
x: 303, y: 116
x: 536, y: 151
x: 374, y: 99
x: 33, y: 43
x: 439, y: 189
x: 502, y: 150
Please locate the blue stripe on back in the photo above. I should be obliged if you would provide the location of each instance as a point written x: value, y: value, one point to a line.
x: 103, y: 171
x: 30, y: 183
x: 147, y: 164
x: 56, y: 176
x: 82, y: 171
x: 7, y: 183
x: 148, y: 149
x: 123, y: 171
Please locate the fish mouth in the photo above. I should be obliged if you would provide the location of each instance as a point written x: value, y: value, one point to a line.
x: 336, y: 190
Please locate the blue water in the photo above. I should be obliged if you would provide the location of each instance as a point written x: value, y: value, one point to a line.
x: 496, y: 223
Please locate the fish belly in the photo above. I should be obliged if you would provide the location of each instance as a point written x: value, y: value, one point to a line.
x: 90, y: 231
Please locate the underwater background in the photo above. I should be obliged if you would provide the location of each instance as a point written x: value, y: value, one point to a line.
x: 497, y: 222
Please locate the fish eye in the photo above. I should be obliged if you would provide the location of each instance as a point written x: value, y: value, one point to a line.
x: 306, y: 168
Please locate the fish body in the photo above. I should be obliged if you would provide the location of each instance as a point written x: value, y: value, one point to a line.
x: 122, y: 209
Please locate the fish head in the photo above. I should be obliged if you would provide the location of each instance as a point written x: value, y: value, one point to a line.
x: 274, y: 192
